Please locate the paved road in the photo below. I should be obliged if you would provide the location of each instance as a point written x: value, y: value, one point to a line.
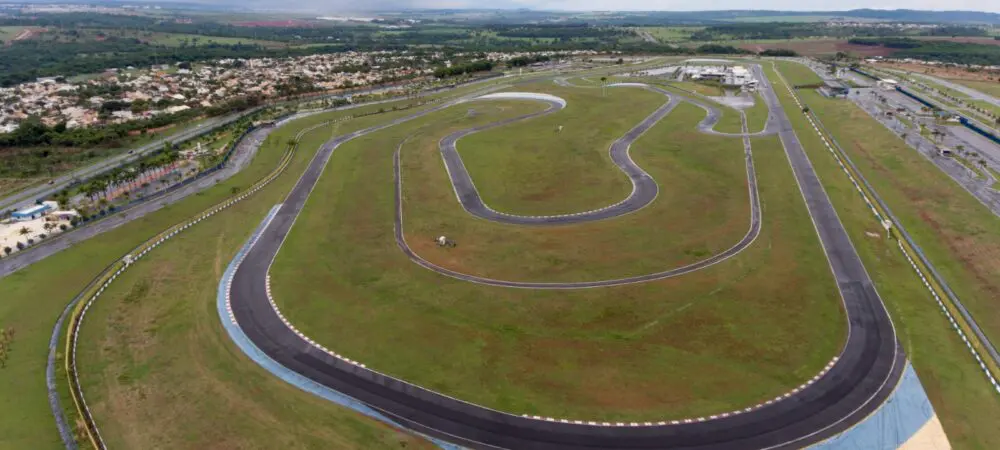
x: 865, y: 373
x: 28, y: 196
x: 978, y: 95
x: 241, y: 157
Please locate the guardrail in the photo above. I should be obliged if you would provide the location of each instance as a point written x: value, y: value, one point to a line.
x: 97, y: 286
x: 965, y: 325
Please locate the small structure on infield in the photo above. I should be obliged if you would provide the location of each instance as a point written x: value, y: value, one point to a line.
x: 443, y: 241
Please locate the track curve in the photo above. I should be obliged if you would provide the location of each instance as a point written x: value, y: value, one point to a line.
x: 862, y: 378
x: 644, y: 188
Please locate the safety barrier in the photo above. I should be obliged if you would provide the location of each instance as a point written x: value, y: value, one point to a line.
x: 988, y: 135
x: 866, y: 74
x: 916, y: 97
x: 964, y: 325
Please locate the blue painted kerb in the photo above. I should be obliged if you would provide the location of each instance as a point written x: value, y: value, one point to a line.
x: 243, y: 342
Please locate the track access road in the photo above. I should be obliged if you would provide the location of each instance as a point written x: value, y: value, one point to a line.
x: 864, y: 375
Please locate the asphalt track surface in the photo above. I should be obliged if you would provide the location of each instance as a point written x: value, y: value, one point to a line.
x: 866, y: 372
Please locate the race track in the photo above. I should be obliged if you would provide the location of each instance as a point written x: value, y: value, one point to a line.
x: 863, y: 376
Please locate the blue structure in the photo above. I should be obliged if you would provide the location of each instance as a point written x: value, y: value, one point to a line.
x: 916, y: 97
x: 31, y: 213
x: 968, y: 124
x: 865, y: 73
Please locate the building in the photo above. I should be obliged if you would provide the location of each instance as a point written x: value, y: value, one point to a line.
x: 33, y: 212
x: 834, y: 88
x: 888, y: 84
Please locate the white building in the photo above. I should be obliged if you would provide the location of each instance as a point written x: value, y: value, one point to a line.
x: 888, y: 84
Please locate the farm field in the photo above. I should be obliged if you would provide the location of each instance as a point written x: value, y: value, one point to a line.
x: 671, y: 34
x: 522, y: 350
x: 962, y: 397
x: 34, y: 297
x: 9, y: 33
x: 148, y: 37
x: 813, y: 47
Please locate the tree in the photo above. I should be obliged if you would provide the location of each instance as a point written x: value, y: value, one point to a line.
x: 8, y: 250
x: 23, y: 231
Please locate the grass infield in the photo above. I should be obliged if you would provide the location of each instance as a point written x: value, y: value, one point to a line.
x: 713, y: 341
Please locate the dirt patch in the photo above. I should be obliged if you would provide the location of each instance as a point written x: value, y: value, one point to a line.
x: 28, y: 33
x: 820, y: 47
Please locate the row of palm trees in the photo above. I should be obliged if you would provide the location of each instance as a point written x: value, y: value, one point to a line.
x: 123, y: 179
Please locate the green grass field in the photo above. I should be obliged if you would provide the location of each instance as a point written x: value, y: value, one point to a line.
x: 553, y: 164
x: 11, y: 185
x: 798, y: 74
x: 962, y: 397
x: 792, y: 18
x: 34, y: 297
x: 8, y: 33
x: 701, y: 88
x: 155, y: 38
x: 989, y: 87
x: 655, y: 350
x: 671, y: 34
x: 631, y: 245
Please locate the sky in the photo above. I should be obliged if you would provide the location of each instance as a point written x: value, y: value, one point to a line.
x: 671, y: 5
x: 787, y: 5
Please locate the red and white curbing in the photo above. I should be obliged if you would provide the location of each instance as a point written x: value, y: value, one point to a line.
x: 923, y: 278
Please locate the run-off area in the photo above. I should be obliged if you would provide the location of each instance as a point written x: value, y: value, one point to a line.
x: 727, y: 337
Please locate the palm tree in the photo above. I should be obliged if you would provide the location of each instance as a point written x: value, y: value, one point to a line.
x: 23, y: 231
